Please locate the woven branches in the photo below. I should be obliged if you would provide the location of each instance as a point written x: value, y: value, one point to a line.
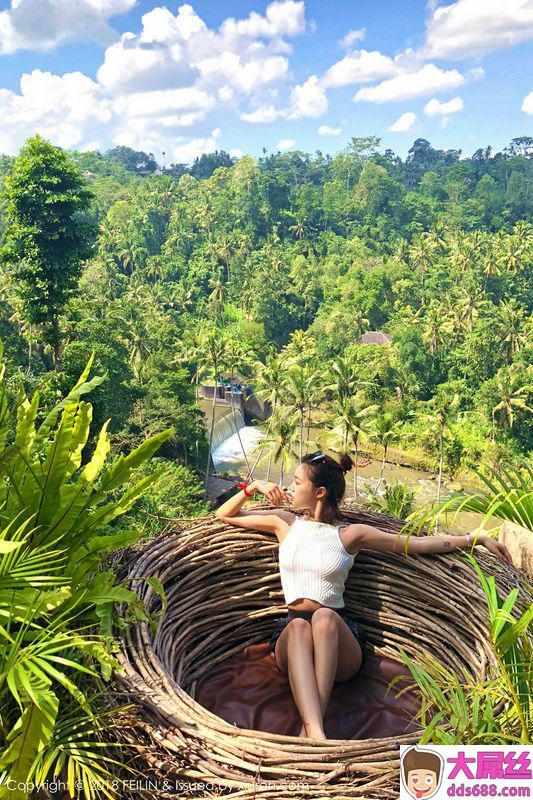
x: 223, y: 590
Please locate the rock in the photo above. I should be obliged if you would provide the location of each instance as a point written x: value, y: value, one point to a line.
x: 519, y: 542
x: 455, y: 486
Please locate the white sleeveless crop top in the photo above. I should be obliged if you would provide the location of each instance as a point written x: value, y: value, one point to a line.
x: 314, y: 563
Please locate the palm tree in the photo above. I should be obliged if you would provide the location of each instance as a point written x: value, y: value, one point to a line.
x: 222, y: 249
x: 421, y: 254
x: 204, y: 216
x: 281, y: 439
x: 217, y: 296
x: 297, y: 228
x: 386, y: 431
x: 442, y: 410
x: 178, y: 296
x: 359, y: 322
x: 300, y: 381
x: 344, y: 378
x: 512, y: 393
x: 460, y: 253
x: 247, y: 292
x: 511, y: 318
x: 269, y: 380
x: 512, y: 249
x: 401, y: 250
x: 211, y: 351
x: 466, y: 309
x: 490, y: 266
x: 236, y: 356
x: 300, y: 349
x: 434, y: 326
x: 349, y: 417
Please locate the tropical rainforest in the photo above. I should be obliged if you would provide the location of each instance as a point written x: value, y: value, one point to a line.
x: 129, y: 282
x: 275, y: 267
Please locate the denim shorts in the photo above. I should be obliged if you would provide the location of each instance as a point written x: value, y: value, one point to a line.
x: 282, y: 622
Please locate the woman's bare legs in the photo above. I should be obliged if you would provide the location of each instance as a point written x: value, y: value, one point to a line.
x: 294, y: 655
x: 325, y: 632
x: 335, y: 655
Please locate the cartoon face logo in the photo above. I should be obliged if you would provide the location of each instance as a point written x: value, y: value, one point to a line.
x: 421, y: 772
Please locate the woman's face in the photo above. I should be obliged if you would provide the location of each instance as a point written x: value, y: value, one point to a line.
x: 301, y: 491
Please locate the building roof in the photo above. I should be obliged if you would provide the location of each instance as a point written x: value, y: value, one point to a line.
x: 226, y: 376
x: 374, y: 337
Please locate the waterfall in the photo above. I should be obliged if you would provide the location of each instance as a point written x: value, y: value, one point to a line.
x: 227, y: 450
x: 225, y: 427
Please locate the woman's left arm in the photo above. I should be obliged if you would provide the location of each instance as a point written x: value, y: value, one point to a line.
x: 366, y: 536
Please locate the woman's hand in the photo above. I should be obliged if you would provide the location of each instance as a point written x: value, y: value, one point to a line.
x: 495, y: 547
x: 273, y: 491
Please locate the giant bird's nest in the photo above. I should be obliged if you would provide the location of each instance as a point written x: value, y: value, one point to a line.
x: 223, y: 590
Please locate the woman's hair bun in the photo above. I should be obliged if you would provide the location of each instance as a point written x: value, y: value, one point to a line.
x: 346, y: 462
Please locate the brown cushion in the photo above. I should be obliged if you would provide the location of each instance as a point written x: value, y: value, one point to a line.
x: 249, y: 690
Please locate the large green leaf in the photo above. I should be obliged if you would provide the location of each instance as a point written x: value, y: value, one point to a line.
x: 28, y: 737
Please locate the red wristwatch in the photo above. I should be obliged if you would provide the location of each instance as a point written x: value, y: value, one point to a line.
x: 243, y: 487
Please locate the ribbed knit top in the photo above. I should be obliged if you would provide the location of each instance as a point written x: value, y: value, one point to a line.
x: 314, y: 563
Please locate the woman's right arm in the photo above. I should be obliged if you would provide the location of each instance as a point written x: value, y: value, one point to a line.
x: 230, y: 511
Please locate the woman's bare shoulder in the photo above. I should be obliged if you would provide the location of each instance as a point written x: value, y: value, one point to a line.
x: 288, y: 517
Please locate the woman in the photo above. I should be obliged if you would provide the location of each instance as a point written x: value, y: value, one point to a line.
x: 315, y: 644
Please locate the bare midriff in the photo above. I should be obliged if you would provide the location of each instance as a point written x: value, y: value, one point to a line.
x: 304, y: 604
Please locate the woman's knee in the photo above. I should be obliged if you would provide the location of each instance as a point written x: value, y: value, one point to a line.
x: 324, y: 621
x: 299, y: 628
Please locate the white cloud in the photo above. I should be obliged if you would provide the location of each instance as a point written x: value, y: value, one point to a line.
x: 427, y: 80
x: 243, y: 56
x: 264, y: 115
x: 435, y: 108
x: 527, y: 103
x: 476, y: 73
x: 236, y: 153
x: 471, y: 28
x: 130, y: 65
x: 245, y: 76
x: 67, y: 110
x: 403, y: 123
x: 351, y: 37
x: 154, y: 104
x: 186, y: 153
x: 360, y: 67
x: 170, y: 74
x: 327, y: 130
x: 285, y: 144
x: 160, y: 25
x: 45, y: 24
x: 308, y: 100
x: 282, y: 18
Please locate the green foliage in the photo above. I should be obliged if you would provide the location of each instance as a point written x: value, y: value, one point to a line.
x: 177, y: 493
x: 397, y: 499
x: 56, y: 601
x: 497, y: 708
x: 434, y: 250
x: 47, y: 237
x: 508, y: 495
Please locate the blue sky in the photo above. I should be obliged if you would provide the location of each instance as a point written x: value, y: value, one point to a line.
x: 189, y: 78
